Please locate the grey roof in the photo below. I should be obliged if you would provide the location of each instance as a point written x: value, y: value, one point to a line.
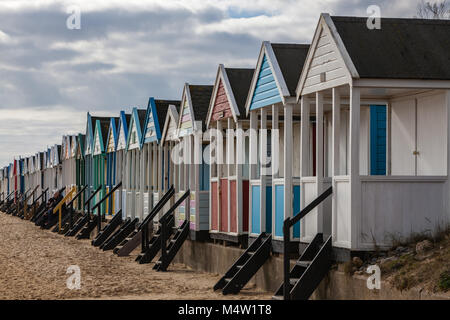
x: 94, y: 120
x: 291, y: 58
x: 161, y: 110
x: 201, y: 96
x: 142, y: 113
x: 401, y: 49
x: 240, y: 81
x: 104, y: 127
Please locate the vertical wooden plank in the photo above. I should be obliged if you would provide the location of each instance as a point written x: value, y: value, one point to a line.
x: 335, y: 160
x: 230, y: 162
x: 263, y: 155
x: 319, y: 156
x: 288, y: 156
x: 239, y: 172
x: 336, y: 110
x: 219, y: 161
x: 304, y: 144
x: 253, y: 144
x: 355, y: 181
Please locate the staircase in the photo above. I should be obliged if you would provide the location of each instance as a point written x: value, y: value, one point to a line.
x: 154, y: 245
x: 108, y: 229
x: 165, y: 232
x: 141, y: 233
x: 85, y: 232
x: 128, y: 244
x: 246, y: 266
x: 78, y: 226
x: 314, y: 263
x: 175, y: 243
x: 309, y: 270
x: 120, y: 234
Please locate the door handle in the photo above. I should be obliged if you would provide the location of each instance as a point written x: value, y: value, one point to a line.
x: 416, y: 153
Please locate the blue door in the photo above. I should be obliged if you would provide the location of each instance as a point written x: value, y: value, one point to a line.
x: 377, y: 140
x: 256, y: 209
x: 269, y: 209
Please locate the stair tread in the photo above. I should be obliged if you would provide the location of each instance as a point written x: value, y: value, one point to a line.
x: 276, y: 297
x: 293, y: 281
x: 303, y: 263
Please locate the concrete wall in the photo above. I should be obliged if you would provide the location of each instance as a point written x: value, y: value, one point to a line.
x: 337, y: 285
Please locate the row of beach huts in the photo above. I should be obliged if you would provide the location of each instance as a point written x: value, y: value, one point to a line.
x: 359, y: 116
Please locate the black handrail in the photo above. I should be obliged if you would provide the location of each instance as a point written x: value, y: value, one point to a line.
x: 7, y: 198
x: 164, y: 221
x: 42, y: 194
x: 107, y: 196
x: 88, y: 202
x: 144, y: 225
x: 172, y: 209
x: 70, y: 206
x: 77, y: 196
x: 97, y: 205
x: 156, y: 209
x: 92, y: 196
x: 288, y: 223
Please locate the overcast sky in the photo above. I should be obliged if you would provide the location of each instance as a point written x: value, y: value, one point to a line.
x: 127, y: 51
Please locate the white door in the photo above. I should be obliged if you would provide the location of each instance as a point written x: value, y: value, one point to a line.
x: 403, y: 144
x: 431, y: 136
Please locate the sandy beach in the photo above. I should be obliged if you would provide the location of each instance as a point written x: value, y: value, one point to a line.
x: 34, y: 262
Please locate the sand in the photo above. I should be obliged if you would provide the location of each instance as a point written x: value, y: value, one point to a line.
x: 34, y: 262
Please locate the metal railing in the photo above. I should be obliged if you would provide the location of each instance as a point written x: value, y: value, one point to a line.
x: 70, y: 205
x: 61, y: 203
x: 165, y: 221
x: 144, y: 225
x: 97, y: 205
x: 287, y: 225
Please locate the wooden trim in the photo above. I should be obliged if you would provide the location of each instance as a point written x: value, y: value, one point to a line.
x: 403, y: 178
x: 401, y: 83
x: 279, y: 79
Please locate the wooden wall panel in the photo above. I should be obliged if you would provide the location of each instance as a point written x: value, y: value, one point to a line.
x: 221, y: 109
x: 233, y: 206
x: 214, y: 211
x: 224, y: 205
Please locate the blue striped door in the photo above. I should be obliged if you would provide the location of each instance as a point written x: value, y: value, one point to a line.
x: 377, y: 140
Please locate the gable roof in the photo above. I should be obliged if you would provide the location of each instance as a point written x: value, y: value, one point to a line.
x: 281, y: 63
x: 90, y: 129
x: 200, y: 96
x: 290, y: 58
x: 171, y: 116
x: 102, y: 124
x: 138, y: 118
x: 401, y: 49
x: 113, y: 123
x: 80, y: 144
x: 124, y: 121
x: 240, y: 80
x: 234, y: 83
x: 158, y: 109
